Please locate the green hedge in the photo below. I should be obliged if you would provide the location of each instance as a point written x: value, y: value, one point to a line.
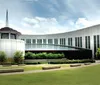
x: 61, y: 61
x: 73, y: 61
x: 44, y: 55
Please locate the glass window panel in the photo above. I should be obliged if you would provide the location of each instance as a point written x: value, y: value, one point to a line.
x: 56, y: 41
x: 50, y: 41
x: 13, y: 36
x: 44, y: 41
x: 94, y: 44
x: 33, y: 41
x: 97, y: 41
x: 39, y: 41
x: 4, y: 35
x: 28, y: 41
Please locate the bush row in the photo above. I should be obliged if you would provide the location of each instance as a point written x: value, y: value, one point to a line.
x: 18, y: 58
x: 73, y: 61
x: 44, y: 55
x: 62, y: 61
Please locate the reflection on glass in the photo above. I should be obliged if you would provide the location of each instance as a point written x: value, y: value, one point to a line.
x: 47, y: 47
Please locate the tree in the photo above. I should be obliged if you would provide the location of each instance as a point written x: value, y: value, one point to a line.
x: 18, y: 57
x: 2, y: 57
x: 98, y: 53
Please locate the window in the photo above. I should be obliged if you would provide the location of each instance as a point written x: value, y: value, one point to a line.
x: 13, y: 36
x: 33, y: 41
x: 39, y: 41
x: 89, y: 42
x: 68, y: 41
x: 60, y: 41
x: 28, y: 41
x: 94, y: 44
x: 97, y: 41
x: 64, y: 41
x: 4, y: 35
x: 80, y: 41
x: 55, y: 41
x: 50, y: 41
x: 76, y: 41
x: 44, y: 41
x: 85, y: 41
x: 71, y: 41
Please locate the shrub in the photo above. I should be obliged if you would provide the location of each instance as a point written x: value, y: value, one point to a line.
x: 73, y: 61
x: 44, y: 55
x: 18, y: 57
x: 98, y: 53
x: 2, y: 57
x: 29, y: 55
x: 59, y: 61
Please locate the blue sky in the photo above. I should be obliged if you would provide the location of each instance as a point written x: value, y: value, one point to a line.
x: 50, y: 16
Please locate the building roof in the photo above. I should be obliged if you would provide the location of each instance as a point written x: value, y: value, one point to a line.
x: 9, y: 30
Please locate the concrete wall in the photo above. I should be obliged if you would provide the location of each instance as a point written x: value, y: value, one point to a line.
x: 10, y: 46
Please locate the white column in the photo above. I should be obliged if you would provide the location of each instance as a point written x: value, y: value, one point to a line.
x: 53, y: 41
x: 73, y: 41
x: 9, y: 35
x: 31, y: 41
x: 36, y: 41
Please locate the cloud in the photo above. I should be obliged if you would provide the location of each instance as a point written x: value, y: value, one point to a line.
x: 82, y: 22
x: 42, y: 25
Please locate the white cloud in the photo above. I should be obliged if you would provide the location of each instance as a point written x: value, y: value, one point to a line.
x: 82, y: 22
x: 42, y: 25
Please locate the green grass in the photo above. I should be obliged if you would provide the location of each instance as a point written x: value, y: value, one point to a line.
x: 80, y: 76
x: 26, y: 68
x: 33, y: 67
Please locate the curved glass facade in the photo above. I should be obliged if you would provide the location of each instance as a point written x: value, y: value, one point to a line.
x: 47, y: 47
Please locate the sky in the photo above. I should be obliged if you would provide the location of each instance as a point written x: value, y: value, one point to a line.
x: 49, y: 16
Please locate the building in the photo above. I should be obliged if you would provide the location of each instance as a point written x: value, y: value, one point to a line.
x: 88, y: 38
x: 9, y: 41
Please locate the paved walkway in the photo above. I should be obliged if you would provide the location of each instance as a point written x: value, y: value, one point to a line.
x: 38, y: 71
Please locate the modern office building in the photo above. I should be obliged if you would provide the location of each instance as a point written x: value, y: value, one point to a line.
x: 88, y: 38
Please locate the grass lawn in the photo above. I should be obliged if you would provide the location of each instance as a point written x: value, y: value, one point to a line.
x: 26, y: 68
x: 34, y: 67
x: 80, y: 76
